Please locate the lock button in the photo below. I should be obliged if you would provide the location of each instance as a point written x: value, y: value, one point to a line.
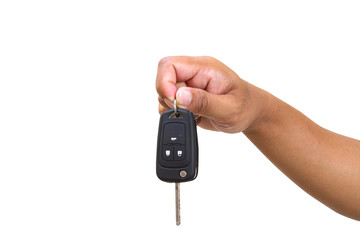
x: 168, y: 153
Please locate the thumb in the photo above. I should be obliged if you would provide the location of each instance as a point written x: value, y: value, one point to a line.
x: 201, y: 102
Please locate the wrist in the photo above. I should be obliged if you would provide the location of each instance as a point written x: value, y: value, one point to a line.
x: 261, y: 106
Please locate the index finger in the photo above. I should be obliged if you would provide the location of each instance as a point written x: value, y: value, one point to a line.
x: 172, y: 70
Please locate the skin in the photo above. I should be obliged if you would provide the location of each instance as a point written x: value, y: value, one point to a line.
x: 324, y: 164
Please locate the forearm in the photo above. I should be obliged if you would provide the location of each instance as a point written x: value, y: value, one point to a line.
x: 323, y: 163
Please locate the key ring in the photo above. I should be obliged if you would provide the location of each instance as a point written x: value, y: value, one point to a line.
x: 175, y: 109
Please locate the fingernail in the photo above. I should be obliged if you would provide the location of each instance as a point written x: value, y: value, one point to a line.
x: 183, y: 96
x: 168, y: 102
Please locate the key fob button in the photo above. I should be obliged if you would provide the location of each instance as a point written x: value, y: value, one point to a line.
x: 179, y: 153
x: 168, y: 153
x: 174, y: 133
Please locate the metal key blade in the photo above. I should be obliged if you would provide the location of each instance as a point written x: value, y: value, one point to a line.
x: 177, y: 203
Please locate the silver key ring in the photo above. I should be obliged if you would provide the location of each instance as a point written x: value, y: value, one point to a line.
x: 175, y: 109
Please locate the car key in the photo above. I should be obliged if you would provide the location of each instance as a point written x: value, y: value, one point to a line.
x: 177, y: 150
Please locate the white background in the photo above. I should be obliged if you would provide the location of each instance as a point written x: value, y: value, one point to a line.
x: 79, y: 117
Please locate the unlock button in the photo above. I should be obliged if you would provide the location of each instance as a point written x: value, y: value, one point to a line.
x: 179, y: 153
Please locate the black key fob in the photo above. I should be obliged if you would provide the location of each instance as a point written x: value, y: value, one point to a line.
x: 177, y: 147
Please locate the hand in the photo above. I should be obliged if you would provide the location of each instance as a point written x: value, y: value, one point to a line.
x: 219, y: 98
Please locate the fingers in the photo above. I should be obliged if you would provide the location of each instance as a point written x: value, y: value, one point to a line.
x: 203, y: 103
x: 172, y: 71
x: 163, y: 106
x: 204, y: 86
x: 162, y: 109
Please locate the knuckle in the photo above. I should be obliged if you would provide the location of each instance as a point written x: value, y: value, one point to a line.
x: 160, y: 89
x: 164, y: 61
x: 210, y: 59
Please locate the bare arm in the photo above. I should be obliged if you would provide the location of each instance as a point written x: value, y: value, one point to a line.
x: 326, y: 165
